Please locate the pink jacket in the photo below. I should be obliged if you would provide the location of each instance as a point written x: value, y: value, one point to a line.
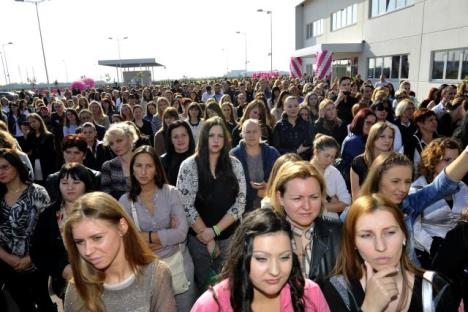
x: 313, y: 299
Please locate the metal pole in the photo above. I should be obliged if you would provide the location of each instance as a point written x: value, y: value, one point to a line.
x: 42, y: 45
x: 246, y: 61
x: 271, y: 41
x: 120, y: 59
x: 4, y: 71
x: 6, y: 62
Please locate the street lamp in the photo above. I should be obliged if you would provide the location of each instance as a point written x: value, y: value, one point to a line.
x: 245, y: 46
x: 7, y: 73
x: 118, y: 51
x: 36, y: 2
x: 269, y: 12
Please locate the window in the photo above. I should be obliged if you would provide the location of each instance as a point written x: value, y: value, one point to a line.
x: 393, y: 67
x: 379, y: 7
x: 309, y: 31
x: 345, y: 17
x: 309, y: 69
x: 317, y: 27
x: 449, y: 64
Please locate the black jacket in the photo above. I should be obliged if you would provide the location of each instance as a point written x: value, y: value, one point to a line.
x: 325, y: 247
x: 286, y: 138
x: 52, y: 183
x: 96, y: 159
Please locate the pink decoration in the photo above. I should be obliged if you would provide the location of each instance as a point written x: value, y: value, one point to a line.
x: 80, y: 85
x: 89, y: 82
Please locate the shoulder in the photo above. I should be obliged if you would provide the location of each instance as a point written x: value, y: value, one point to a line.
x: 215, y: 299
x: 328, y: 224
x: 188, y: 164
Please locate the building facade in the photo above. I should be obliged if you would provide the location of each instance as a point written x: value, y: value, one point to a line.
x: 423, y: 41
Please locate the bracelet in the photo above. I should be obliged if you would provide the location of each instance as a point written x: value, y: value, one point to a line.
x: 149, y: 237
x: 216, y: 230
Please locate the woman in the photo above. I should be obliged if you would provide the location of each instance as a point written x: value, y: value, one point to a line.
x: 383, y: 112
x: 213, y: 109
x: 21, y: 202
x: 325, y: 150
x: 373, y: 271
x: 312, y: 101
x: 277, y: 111
x: 40, y: 146
x: 115, y: 174
x: 143, y: 125
x: 425, y: 121
x: 180, y: 145
x: 292, y: 134
x: 213, y: 189
x: 440, y: 217
x: 57, y: 120
x: 298, y: 192
x: 404, y: 120
x: 328, y: 122
x: 150, y: 111
x: 156, y: 208
x: 72, y: 122
x: 47, y: 248
x: 261, y: 272
x: 83, y: 103
x: 452, y: 258
x: 391, y: 175
x: 228, y: 113
x: 304, y: 113
x: 113, y: 269
x: 99, y: 116
x: 254, y: 110
x: 380, y: 140
x: 15, y: 119
x: 194, y: 119
x: 257, y: 160
x: 8, y: 141
x: 108, y: 106
x: 169, y: 116
x: 161, y: 103
x: 126, y: 112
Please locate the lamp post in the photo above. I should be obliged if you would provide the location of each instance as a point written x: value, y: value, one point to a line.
x: 118, y: 51
x: 7, y: 72
x: 4, y: 70
x: 245, y: 46
x: 36, y: 2
x: 269, y: 12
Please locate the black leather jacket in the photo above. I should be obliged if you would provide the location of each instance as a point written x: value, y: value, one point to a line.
x: 326, y: 246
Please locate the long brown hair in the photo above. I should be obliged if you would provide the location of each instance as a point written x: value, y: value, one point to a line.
x: 374, y: 133
x: 349, y: 262
x: 89, y: 280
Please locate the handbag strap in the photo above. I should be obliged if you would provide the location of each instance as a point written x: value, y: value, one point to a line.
x: 134, y: 216
x: 428, y: 305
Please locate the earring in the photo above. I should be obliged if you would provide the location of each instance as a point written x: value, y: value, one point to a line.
x: 404, y: 243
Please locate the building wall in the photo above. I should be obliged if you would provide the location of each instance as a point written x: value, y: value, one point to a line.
x: 417, y: 30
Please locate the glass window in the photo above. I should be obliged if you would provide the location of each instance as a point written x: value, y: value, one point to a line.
x: 354, y: 13
x: 464, y: 72
x: 438, y: 61
x: 338, y: 19
x: 382, y: 6
x: 343, y: 18
x: 409, y: 2
x: 453, y: 63
x: 404, y: 67
x: 400, y: 3
x: 378, y: 67
x: 395, y: 66
x: 387, y: 66
x: 370, y: 68
x: 350, y: 15
x: 391, y: 5
x: 375, y: 8
x: 334, y: 21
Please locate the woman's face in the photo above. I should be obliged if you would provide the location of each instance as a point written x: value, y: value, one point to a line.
x: 193, y: 113
x: 302, y: 200
x: 379, y: 239
x: 58, y: 108
x: 325, y: 157
x: 227, y: 112
x: 99, y: 242
x: 215, y: 139
x: 138, y: 113
x: 330, y: 112
x: 291, y: 108
x: 151, y: 109
x: 162, y: 106
x: 71, y: 117
x: 384, y: 142
x: 369, y: 121
x: 211, y: 113
x: 252, y: 134
x: 82, y: 102
x: 144, y: 169
x: 8, y: 173
x: 71, y: 189
x: 395, y: 183
x: 409, y: 111
x: 449, y: 156
x: 180, y: 139
x: 34, y: 123
x: 120, y: 144
x: 381, y: 114
x: 430, y: 124
x: 304, y: 113
x: 126, y: 111
x: 254, y: 113
x: 168, y: 120
x: 95, y: 109
x: 313, y: 101
x: 271, y: 263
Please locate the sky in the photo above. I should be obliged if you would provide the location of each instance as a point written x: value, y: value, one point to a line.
x: 191, y: 38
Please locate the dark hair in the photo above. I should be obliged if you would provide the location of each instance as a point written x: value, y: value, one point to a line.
x: 216, y: 108
x: 77, y: 172
x: 239, y: 254
x: 202, y: 154
x: 73, y: 111
x: 14, y: 159
x: 75, y: 140
x: 357, y: 125
x: 344, y: 78
x: 170, y: 150
x: 198, y: 107
x: 159, y: 178
x: 422, y: 114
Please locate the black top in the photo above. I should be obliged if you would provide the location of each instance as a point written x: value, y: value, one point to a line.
x: 41, y: 148
x: 342, y: 296
x: 360, y: 167
x: 146, y: 128
x: 338, y: 130
x: 172, y: 163
x: 344, y: 109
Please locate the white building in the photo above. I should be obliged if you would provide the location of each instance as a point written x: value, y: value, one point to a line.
x: 424, y: 41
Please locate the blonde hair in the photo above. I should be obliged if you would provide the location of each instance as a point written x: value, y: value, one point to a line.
x: 121, y: 129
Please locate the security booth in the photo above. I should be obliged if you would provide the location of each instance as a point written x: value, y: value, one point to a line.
x: 134, y: 71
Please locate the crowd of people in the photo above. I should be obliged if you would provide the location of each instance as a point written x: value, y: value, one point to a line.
x: 235, y: 195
